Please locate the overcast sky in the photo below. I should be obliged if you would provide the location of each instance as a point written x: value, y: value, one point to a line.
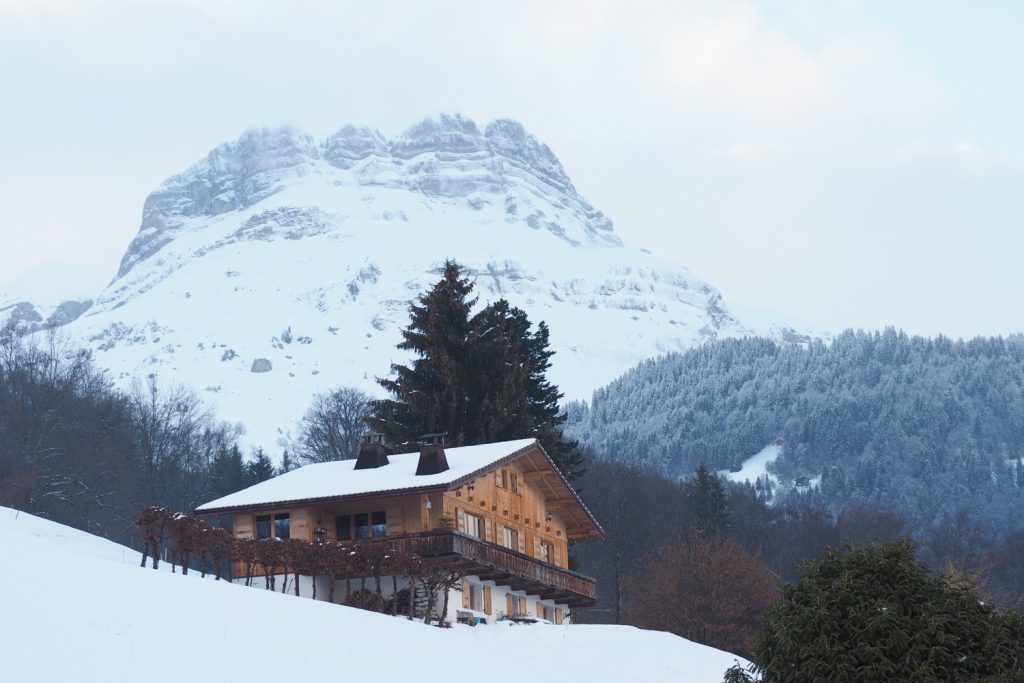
x: 850, y: 164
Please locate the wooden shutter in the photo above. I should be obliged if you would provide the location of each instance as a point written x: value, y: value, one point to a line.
x: 522, y: 542
x: 509, y: 609
x: 497, y: 479
x: 557, y: 550
x: 465, y: 594
x: 536, y: 547
x: 460, y: 519
x: 558, y: 615
x: 394, y: 521
x: 488, y: 534
x: 487, y: 599
x: 522, y: 605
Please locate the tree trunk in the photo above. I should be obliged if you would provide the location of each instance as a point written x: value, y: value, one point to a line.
x: 314, y: 585
x: 394, y: 594
x: 431, y: 600
x: 618, y: 593
x: 330, y: 587
x: 297, y: 583
x: 145, y: 552
x: 444, y: 606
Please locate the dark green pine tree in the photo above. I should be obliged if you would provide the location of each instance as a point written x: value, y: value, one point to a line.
x: 260, y: 468
x: 706, y: 504
x: 510, y: 364
x: 432, y: 394
x: 481, y: 378
x: 875, y: 614
x: 227, y: 472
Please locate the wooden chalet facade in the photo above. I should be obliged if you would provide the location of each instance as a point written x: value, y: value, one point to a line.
x: 501, y: 512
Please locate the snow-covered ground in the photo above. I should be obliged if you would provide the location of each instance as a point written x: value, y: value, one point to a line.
x: 756, y: 467
x: 79, y: 608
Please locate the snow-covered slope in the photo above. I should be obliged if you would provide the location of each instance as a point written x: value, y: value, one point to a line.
x: 281, y: 265
x: 79, y: 608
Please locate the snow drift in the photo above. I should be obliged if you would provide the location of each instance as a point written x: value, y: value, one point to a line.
x: 78, y: 607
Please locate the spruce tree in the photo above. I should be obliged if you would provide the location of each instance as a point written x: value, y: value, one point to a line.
x: 431, y: 395
x: 227, y: 472
x: 480, y: 378
x: 260, y: 468
x: 875, y: 614
x: 706, y: 504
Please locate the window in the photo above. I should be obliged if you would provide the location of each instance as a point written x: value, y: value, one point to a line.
x: 343, y: 524
x: 278, y: 524
x: 362, y: 525
x: 545, y: 551
x: 507, y: 480
x: 474, y: 525
x: 282, y: 525
x: 510, y: 538
x: 476, y: 597
x: 263, y: 526
x: 379, y: 520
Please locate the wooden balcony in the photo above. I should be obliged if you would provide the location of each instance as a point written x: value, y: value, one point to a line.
x: 502, y: 565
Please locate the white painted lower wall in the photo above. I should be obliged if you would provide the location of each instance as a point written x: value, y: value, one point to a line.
x: 543, y: 610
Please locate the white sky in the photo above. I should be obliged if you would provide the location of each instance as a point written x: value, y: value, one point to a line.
x: 851, y: 164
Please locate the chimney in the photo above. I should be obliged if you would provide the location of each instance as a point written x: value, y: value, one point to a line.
x: 432, y: 458
x: 372, y: 453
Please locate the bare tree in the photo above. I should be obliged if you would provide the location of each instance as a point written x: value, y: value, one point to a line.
x: 333, y: 426
x: 706, y: 589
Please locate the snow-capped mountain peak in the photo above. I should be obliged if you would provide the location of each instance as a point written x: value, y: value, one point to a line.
x: 281, y: 265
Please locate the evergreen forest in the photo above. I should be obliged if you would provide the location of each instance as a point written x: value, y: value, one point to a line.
x: 927, y: 428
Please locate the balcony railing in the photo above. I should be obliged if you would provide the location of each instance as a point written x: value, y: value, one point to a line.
x: 502, y: 565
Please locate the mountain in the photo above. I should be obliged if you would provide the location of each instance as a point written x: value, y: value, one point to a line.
x: 925, y: 427
x: 116, y: 621
x: 48, y: 296
x: 282, y: 265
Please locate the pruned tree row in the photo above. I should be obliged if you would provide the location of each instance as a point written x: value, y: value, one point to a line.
x: 362, y: 565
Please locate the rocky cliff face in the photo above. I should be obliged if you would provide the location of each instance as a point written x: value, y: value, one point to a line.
x: 300, y: 257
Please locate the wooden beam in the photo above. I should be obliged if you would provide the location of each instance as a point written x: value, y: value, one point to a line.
x: 533, y: 476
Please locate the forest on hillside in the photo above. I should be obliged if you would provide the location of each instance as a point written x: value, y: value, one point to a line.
x: 78, y: 451
x: 926, y: 427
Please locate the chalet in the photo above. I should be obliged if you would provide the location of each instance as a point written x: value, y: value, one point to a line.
x: 501, y: 511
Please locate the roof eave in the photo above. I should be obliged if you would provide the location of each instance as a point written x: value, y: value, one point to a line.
x: 323, y: 499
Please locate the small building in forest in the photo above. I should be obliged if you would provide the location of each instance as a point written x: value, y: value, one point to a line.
x: 500, y: 513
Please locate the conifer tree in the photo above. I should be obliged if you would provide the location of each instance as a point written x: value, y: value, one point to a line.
x: 430, y: 394
x: 875, y: 614
x: 227, y: 472
x: 260, y: 468
x: 706, y: 504
x: 480, y: 378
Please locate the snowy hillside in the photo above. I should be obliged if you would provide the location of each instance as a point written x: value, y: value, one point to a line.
x: 281, y: 265
x: 79, y: 608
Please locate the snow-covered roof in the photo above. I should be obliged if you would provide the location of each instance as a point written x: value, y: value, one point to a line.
x: 338, y: 479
